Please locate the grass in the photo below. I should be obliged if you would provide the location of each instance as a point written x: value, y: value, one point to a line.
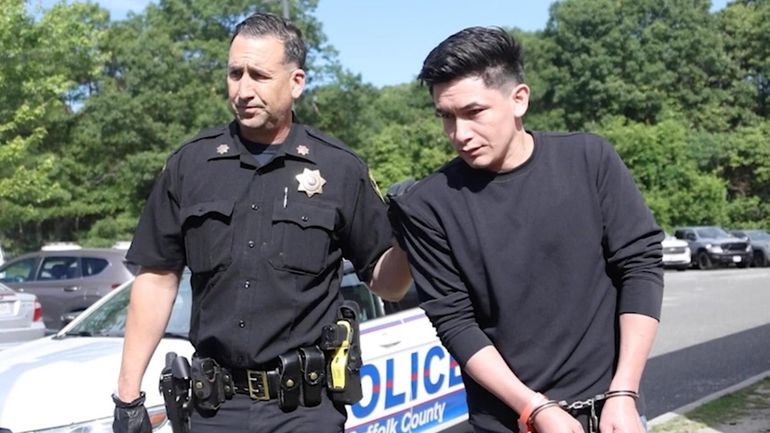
x: 730, y: 410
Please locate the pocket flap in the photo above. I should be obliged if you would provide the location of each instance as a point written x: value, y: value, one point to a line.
x: 223, y: 207
x: 305, y: 215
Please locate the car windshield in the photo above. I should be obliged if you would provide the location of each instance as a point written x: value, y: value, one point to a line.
x: 712, y: 232
x: 759, y: 235
x: 110, y: 318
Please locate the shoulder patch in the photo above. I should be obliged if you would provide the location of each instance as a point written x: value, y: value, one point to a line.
x: 374, y: 185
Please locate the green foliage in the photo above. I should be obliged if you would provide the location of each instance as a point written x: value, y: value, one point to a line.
x: 394, y: 129
x: 47, y: 64
x: 637, y: 59
x: 90, y: 108
x: 660, y: 160
x: 745, y: 25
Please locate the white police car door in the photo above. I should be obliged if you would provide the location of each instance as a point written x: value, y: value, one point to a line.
x: 409, y: 381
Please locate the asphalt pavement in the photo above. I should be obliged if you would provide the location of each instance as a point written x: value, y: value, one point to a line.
x: 714, y: 335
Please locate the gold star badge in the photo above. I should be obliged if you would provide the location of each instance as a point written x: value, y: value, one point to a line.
x: 302, y: 150
x: 310, y: 182
x: 222, y: 149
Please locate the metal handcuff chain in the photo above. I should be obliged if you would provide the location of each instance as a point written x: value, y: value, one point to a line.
x: 593, y: 419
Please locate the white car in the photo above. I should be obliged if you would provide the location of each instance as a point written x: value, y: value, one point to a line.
x: 676, y: 253
x: 21, y: 317
x: 63, y: 383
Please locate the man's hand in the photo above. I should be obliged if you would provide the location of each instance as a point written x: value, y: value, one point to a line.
x: 131, y: 417
x: 395, y: 190
x: 620, y: 415
x: 556, y: 420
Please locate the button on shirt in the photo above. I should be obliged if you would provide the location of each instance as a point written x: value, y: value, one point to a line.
x: 264, y: 243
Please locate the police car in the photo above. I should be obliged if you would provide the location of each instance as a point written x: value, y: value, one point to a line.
x: 62, y: 383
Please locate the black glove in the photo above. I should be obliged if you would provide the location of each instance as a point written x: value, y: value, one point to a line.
x: 397, y: 189
x: 131, y: 417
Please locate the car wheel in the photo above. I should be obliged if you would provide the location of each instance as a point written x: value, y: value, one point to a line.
x: 760, y: 260
x: 704, y: 261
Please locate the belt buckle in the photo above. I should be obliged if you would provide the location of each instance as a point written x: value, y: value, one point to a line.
x: 258, y: 387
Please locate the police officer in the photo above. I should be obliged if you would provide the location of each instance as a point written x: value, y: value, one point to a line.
x: 262, y: 211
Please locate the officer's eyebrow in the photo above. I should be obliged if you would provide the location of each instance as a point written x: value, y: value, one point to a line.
x: 251, y: 69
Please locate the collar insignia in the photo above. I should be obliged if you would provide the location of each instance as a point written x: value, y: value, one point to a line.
x: 302, y: 150
x: 222, y: 149
x: 310, y: 182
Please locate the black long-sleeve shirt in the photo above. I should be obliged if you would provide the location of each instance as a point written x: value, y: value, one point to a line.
x: 539, y: 262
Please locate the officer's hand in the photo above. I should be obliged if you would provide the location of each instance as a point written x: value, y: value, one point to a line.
x: 131, y: 417
x: 395, y: 190
x: 399, y: 188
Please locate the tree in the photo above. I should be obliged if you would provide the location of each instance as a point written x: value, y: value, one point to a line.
x: 49, y: 61
x: 638, y: 59
x: 659, y: 156
x: 745, y: 26
x: 743, y: 161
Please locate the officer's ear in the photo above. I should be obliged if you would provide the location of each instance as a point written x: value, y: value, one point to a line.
x: 297, y: 80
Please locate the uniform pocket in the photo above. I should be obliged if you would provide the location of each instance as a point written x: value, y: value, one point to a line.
x: 302, y: 234
x: 208, y: 235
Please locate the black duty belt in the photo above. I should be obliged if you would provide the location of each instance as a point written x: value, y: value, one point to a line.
x: 300, y: 378
x: 257, y: 384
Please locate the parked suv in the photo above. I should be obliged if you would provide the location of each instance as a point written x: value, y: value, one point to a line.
x: 712, y: 245
x: 66, y: 281
x: 760, y: 245
x: 676, y: 253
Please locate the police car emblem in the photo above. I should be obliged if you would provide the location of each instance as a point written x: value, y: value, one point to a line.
x: 302, y: 150
x: 310, y: 182
x: 222, y: 149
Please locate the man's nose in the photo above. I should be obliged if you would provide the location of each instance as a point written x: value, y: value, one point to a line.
x: 245, y: 88
x: 462, y: 132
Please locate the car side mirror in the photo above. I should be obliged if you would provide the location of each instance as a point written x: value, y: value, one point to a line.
x: 66, y: 318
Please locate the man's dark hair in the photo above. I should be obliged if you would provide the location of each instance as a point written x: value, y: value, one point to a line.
x: 486, y: 52
x: 267, y: 24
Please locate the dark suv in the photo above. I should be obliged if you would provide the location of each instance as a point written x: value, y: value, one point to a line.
x: 66, y: 281
x: 712, y: 245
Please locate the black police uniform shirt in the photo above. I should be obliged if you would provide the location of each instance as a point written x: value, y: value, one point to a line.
x: 264, y: 242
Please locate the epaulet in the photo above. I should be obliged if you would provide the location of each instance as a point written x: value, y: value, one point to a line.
x: 205, y: 133
x: 330, y: 141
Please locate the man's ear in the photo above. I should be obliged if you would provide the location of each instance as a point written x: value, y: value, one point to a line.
x: 520, y: 99
x: 297, y: 83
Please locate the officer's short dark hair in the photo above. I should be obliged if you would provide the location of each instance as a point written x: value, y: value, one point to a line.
x: 487, y: 52
x: 267, y: 24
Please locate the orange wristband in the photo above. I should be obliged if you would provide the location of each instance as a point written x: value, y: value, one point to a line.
x: 536, y: 400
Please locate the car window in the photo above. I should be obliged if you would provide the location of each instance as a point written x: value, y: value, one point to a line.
x: 59, y: 268
x: 93, y: 265
x: 410, y: 300
x: 353, y: 289
x: 19, y: 271
x: 712, y: 232
x: 110, y: 318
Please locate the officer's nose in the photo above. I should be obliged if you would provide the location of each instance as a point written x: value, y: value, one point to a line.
x: 245, y: 89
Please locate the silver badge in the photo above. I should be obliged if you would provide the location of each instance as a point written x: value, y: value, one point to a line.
x: 222, y: 149
x: 310, y: 182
